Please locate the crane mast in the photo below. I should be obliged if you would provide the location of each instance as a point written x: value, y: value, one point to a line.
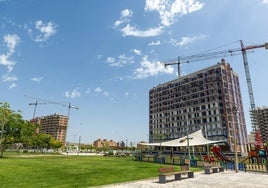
x: 248, y: 77
x: 225, y: 53
x: 35, y: 106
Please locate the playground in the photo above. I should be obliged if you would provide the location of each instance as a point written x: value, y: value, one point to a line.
x: 255, y: 160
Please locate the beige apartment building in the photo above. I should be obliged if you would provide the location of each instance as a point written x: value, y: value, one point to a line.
x: 100, y: 143
x: 54, y: 125
x: 209, y: 99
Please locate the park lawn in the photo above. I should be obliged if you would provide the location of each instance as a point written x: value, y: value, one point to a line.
x: 71, y: 171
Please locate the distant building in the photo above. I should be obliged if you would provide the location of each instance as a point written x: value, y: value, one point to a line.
x: 251, y: 138
x: 209, y: 99
x: 54, y: 125
x: 100, y: 143
x: 259, y: 118
x: 141, y: 145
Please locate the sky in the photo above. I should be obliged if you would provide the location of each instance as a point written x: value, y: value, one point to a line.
x: 104, y: 56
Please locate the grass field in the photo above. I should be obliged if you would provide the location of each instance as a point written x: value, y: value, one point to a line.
x: 71, y: 171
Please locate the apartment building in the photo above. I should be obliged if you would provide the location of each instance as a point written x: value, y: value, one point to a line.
x: 209, y: 99
x: 100, y: 143
x: 54, y: 125
x: 259, y: 118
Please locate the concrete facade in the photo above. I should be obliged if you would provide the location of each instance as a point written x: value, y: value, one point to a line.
x: 100, y: 143
x: 259, y: 118
x: 54, y: 125
x: 202, y: 100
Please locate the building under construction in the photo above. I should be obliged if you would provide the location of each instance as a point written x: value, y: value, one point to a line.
x: 259, y: 117
x: 54, y: 125
x: 209, y: 99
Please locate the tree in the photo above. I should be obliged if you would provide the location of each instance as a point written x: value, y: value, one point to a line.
x: 55, y: 144
x: 11, y: 123
x: 28, y: 134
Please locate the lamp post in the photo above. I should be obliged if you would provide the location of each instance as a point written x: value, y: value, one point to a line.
x: 188, y: 143
x: 234, y: 111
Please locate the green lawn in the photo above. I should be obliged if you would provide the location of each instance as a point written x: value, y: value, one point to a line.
x: 71, y: 171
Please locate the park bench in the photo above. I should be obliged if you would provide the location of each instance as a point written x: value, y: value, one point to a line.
x: 170, y: 171
x: 208, y: 169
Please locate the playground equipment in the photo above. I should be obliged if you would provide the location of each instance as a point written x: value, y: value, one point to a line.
x: 219, y: 154
x: 257, y: 155
x: 216, y: 153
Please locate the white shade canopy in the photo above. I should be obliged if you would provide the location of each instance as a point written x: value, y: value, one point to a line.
x: 195, y: 139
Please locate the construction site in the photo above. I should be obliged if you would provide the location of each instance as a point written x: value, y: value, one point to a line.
x: 208, y: 100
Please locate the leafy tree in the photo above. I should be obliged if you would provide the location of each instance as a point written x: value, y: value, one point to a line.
x: 11, y: 123
x: 55, y: 144
x: 44, y: 140
x: 28, y: 134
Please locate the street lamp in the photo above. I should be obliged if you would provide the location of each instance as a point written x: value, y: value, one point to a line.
x: 188, y: 143
x: 188, y: 148
x: 234, y: 111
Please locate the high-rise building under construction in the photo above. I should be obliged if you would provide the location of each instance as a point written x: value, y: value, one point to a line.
x: 259, y: 118
x: 54, y: 125
x: 209, y: 99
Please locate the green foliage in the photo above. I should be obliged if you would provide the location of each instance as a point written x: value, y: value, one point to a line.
x: 71, y: 171
x: 11, y: 124
x: 18, y: 132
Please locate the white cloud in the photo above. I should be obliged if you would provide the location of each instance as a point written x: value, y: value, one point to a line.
x: 187, y: 40
x: 8, y: 78
x: 98, y: 89
x: 120, y: 61
x: 4, y: 60
x: 148, y: 68
x: 123, y: 59
x: 125, y: 15
x: 37, y: 79
x: 72, y: 94
x: 154, y: 43
x: 137, y: 52
x: 169, y: 10
x: 11, y: 41
x: 265, y: 1
x: 129, y: 30
x: 106, y: 93
x: 12, y: 86
x: 46, y: 30
x: 110, y: 60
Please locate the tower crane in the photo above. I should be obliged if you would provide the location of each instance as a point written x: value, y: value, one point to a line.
x: 69, y: 108
x: 50, y: 102
x: 224, y: 53
x: 35, y: 106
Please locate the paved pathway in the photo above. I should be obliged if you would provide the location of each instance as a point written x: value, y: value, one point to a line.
x: 227, y: 179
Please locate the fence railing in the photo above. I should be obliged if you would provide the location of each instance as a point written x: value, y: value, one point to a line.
x: 199, y: 163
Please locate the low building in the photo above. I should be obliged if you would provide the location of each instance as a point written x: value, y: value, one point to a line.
x: 101, y: 143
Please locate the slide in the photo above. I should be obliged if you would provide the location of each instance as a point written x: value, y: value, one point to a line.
x: 217, y: 151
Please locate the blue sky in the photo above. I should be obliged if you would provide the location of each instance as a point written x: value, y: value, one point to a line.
x: 105, y: 56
